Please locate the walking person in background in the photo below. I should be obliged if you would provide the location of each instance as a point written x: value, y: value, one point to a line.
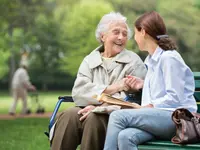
x: 168, y: 85
x: 20, y: 85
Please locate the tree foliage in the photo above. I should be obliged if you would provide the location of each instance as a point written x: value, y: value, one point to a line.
x: 58, y: 34
x: 183, y: 26
x: 79, y: 28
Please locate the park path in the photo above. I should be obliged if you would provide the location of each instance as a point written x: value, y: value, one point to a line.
x: 32, y: 115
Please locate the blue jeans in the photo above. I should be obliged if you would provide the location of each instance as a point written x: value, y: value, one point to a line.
x: 129, y: 127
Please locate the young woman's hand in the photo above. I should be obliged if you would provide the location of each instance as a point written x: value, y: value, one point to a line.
x: 148, y: 106
x: 85, y: 111
x: 134, y: 83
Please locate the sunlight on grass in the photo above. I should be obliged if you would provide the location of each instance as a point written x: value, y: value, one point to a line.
x: 45, y: 99
x: 24, y: 134
x: 28, y: 133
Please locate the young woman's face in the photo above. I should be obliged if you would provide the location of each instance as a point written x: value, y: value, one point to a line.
x: 115, y: 39
x: 139, y: 38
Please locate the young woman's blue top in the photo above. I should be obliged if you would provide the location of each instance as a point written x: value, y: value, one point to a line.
x: 169, y: 83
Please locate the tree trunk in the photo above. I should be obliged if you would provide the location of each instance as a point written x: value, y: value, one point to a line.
x: 12, y: 58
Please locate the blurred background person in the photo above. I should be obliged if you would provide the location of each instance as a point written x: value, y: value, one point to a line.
x: 20, y: 85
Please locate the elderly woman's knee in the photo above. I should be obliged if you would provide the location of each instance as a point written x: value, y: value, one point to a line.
x: 97, y: 119
x: 72, y: 110
x: 70, y: 113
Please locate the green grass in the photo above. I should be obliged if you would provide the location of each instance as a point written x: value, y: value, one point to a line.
x: 23, y: 134
x: 27, y: 133
x: 46, y: 99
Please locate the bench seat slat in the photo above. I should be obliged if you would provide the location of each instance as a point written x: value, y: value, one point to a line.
x: 169, y: 143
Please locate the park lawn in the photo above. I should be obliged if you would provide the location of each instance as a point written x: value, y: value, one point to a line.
x: 27, y: 133
x: 24, y: 134
x: 46, y: 99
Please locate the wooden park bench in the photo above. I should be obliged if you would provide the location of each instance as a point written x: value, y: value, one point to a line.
x: 151, y: 145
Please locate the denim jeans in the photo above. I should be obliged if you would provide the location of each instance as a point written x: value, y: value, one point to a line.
x: 129, y: 127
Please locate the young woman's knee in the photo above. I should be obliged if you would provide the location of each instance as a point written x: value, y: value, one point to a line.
x: 116, y: 116
x: 126, y: 140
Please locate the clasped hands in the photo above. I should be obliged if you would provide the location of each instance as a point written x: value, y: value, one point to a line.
x: 129, y: 83
x: 134, y: 84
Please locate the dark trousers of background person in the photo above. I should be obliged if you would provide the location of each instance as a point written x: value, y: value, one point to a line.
x: 71, y: 132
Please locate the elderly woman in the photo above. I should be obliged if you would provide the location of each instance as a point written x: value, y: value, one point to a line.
x: 104, y: 70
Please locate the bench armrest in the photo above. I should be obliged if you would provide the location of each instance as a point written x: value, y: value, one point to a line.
x: 60, y: 100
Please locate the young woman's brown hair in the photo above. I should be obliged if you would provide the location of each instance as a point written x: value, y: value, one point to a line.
x: 154, y: 26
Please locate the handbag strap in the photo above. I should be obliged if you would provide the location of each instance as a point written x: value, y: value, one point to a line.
x: 181, y: 113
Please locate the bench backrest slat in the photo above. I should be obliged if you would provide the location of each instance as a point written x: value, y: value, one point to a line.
x: 197, y: 89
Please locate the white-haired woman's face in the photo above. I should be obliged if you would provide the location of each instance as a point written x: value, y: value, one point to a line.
x: 115, y: 39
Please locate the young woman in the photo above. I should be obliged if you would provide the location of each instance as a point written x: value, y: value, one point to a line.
x: 168, y: 85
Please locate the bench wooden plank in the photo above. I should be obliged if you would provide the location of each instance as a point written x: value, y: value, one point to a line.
x: 197, y: 96
x: 169, y: 143
x: 198, y: 105
x: 197, y: 85
x: 197, y: 81
x: 196, y: 75
x: 165, y: 147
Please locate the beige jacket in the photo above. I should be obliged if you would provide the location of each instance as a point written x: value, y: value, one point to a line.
x: 20, y: 79
x: 93, y: 78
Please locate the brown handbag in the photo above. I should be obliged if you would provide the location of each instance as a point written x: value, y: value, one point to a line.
x: 187, y: 126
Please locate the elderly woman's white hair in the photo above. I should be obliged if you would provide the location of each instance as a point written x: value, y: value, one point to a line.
x: 105, y: 22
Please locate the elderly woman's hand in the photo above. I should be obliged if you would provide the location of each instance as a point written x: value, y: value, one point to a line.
x: 85, y: 111
x: 134, y: 83
x: 122, y: 85
x: 117, y: 87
